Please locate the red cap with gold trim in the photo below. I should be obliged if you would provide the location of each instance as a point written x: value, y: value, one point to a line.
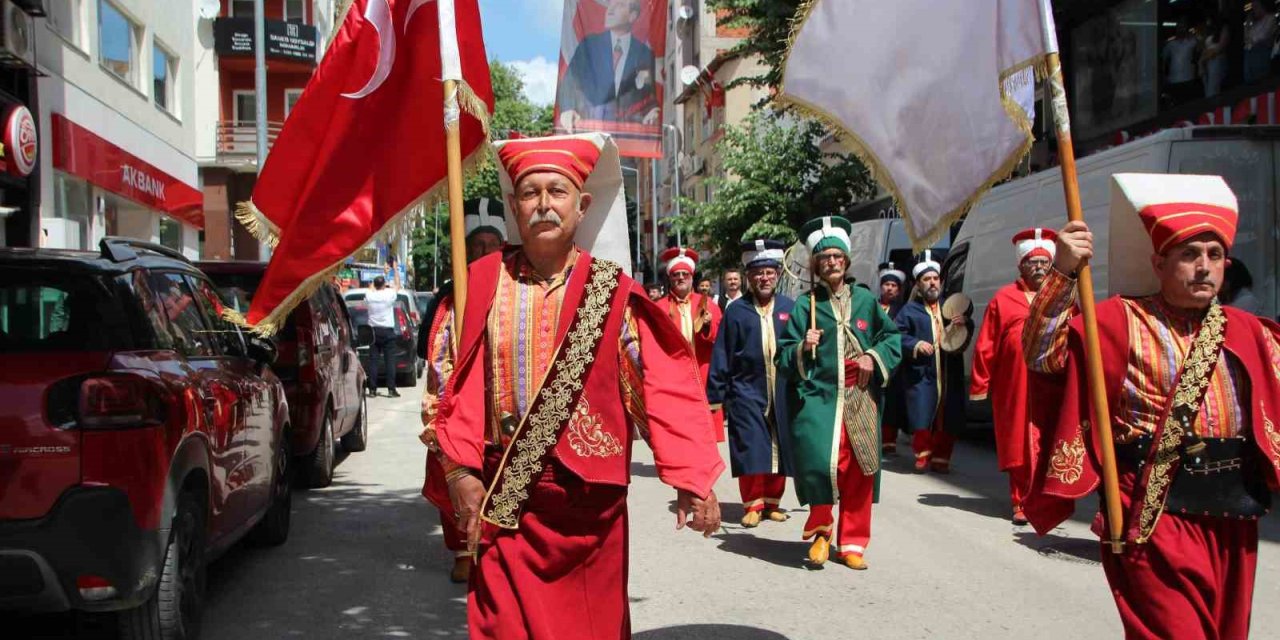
x: 573, y: 158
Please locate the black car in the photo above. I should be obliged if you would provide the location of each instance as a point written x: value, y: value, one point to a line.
x: 408, y: 365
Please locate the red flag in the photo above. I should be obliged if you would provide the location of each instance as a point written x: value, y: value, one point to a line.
x: 365, y: 142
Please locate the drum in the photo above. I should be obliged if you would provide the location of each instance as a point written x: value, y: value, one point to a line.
x: 955, y: 335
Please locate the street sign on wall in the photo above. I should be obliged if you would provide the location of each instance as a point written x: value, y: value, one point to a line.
x: 285, y: 40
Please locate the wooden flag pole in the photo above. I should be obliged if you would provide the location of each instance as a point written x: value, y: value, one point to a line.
x: 457, y: 224
x: 1084, y: 281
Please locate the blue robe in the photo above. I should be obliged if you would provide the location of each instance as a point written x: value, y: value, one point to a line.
x: 738, y: 380
x: 930, y: 383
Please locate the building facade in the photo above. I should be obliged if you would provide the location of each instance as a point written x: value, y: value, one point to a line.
x: 116, y: 124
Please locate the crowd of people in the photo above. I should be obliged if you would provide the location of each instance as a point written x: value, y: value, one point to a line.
x: 1206, y: 55
x: 559, y: 361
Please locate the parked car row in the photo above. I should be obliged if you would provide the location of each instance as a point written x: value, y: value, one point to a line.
x: 131, y: 410
x: 408, y: 314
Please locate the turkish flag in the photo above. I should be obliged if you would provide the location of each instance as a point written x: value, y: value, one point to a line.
x: 365, y: 141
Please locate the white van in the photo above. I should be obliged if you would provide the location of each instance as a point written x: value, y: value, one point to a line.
x: 982, y: 258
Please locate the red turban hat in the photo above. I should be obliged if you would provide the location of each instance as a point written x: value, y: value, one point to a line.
x: 573, y: 158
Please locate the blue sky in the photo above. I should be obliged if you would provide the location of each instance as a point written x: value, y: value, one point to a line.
x: 526, y: 33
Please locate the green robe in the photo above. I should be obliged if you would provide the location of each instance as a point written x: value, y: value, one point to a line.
x: 814, y: 386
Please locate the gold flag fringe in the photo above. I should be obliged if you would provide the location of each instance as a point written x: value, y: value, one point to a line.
x: 257, y: 224
x: 876, y: 168
x: 340, y: 16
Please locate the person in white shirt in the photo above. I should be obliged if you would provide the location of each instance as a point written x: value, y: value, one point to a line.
x: 382, y: 319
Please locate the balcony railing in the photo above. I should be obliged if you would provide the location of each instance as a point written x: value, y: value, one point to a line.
x: 239, y: 138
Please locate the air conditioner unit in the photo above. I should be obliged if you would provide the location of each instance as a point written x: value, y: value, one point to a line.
x: 17, y: 36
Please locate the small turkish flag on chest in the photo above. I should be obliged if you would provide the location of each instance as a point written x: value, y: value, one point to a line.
x: 861, y: 324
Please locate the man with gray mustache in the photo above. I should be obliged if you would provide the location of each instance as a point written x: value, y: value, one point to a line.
x: 999, y: 372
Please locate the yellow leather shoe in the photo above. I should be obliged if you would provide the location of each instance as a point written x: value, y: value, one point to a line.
x: 751, y: 520
x: 854, y: 561
x: 777, y: 515
x: 461, y: 570
x: 819, y: 551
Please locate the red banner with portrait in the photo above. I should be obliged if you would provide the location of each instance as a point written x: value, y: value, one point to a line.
x: 611, y: 72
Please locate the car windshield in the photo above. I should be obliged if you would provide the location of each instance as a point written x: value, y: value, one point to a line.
x: 45, y: 310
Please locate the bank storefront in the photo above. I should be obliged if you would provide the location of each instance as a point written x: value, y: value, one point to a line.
x: 101, y: 189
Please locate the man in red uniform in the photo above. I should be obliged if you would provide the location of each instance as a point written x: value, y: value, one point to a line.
x: 998, y: 370
x: 1193, y: 389
x: 696, y: 314
x: 560, y: 357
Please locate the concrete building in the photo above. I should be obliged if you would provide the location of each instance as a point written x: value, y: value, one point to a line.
x: 117, y: 122
x: 226, y: 147
x: 19, y: 155
x: 697, y: 106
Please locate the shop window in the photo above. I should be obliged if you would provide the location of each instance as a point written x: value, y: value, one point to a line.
x: 290, y: 99
x: 73, y: 202
x: 118, y: 40
x: 171, y: 233
x: 242, y: 8
x: 164, y: 68
x: 67, y: 19
x: 295, y: 11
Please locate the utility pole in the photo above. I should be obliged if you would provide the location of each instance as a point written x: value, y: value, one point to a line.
x: 653, y: 222
x: 260, y: 80
x: 675, y: 198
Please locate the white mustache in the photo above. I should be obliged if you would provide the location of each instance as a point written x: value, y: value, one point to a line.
x: 548, y: 216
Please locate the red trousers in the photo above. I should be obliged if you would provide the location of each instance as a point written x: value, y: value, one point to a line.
x: 563, y: 573
x: 934, y: 445
x: 854, y: 533
x: 1019, y: 483
x: 888, y: 434
x: 1193, y: 580
x: 436, y: 491
x: 761, y: 491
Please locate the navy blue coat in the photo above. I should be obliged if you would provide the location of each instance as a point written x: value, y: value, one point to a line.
x: 738, y: 380
x: 922, y: 382
x: 589, y: 85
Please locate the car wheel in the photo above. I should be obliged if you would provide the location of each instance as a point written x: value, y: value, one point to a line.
x: 273, y: 529
x: 358, y: 438
x: 173, y: 611
x: 319, y: 464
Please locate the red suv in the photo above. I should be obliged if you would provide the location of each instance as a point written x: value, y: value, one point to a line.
x: 319, y: 366
x: 140, y: 435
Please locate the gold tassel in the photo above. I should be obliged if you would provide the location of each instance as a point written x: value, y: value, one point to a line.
x: 257, y: 224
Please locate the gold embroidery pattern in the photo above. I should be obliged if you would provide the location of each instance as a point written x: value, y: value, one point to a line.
x: 1067, y: 463
x: 1196, y: 372
x: 1273, y: 436
x: 541, y: 427
x: 587, y: 436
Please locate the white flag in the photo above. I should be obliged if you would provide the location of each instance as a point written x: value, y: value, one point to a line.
x: 936, y: 96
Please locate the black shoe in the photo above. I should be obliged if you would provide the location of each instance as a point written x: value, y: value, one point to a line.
x: 372, y: 393
x: 394, y: 394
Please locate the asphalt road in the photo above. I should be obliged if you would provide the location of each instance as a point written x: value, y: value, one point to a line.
x: 366, y: 560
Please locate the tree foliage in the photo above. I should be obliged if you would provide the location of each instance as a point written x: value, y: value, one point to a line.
x: 777, y: 178
x: 513, y: 112
x: 770, y: 24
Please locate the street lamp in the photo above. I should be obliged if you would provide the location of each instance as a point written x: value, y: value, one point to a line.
x: 676, y: 180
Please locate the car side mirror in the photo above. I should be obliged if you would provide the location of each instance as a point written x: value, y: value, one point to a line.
x: 364, y: 336
x: 262, y: 350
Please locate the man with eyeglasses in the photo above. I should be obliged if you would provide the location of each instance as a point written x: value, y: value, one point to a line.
x: 839, y: 349
x: 694, y: 313
x: 744, y: 380
x: 999, y: 371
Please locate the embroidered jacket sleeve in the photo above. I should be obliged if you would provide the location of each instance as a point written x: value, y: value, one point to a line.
x: 631, y: 369
x: 1044, y: 337
x: 672, y: 401
x: 985, y: 365
x: 440, y: 358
